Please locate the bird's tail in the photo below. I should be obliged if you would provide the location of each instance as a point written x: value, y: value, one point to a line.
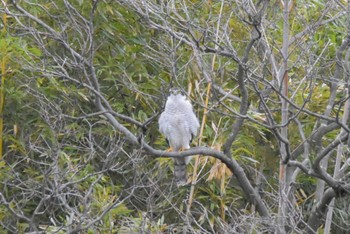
x: 180, y: 171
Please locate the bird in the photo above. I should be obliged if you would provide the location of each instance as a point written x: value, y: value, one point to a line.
x: 179, y: 124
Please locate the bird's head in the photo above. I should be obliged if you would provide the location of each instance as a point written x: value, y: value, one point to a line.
x: 176, y: 95
x: 175, y: 91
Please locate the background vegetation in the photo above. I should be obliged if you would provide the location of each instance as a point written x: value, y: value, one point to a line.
x: 82, y: 86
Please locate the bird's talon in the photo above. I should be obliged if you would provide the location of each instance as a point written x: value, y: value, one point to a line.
x: 169, y: 150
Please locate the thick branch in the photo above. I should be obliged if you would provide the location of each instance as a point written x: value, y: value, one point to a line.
x: 232, y: 164
x: 317, y: 134
x: 317, y: 164
x: 241, y: 75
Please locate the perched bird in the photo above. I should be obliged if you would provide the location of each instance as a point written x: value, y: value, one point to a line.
x: 179, y: 124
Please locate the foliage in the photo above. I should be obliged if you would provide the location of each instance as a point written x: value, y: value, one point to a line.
x: 86, y: 81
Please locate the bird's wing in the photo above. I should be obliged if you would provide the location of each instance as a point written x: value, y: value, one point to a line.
x: 165, y: 122
x: 191, y: 119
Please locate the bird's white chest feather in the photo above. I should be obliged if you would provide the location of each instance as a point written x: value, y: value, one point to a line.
x: 179, y: 134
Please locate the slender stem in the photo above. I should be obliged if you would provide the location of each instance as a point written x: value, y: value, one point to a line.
x: 204, y: 120
x: 2, y: 94
x: 2, y: 102
x: 195, y: 168
x: 283, y: 81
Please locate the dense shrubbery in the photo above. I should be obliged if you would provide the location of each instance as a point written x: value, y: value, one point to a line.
x: 83, y: 83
